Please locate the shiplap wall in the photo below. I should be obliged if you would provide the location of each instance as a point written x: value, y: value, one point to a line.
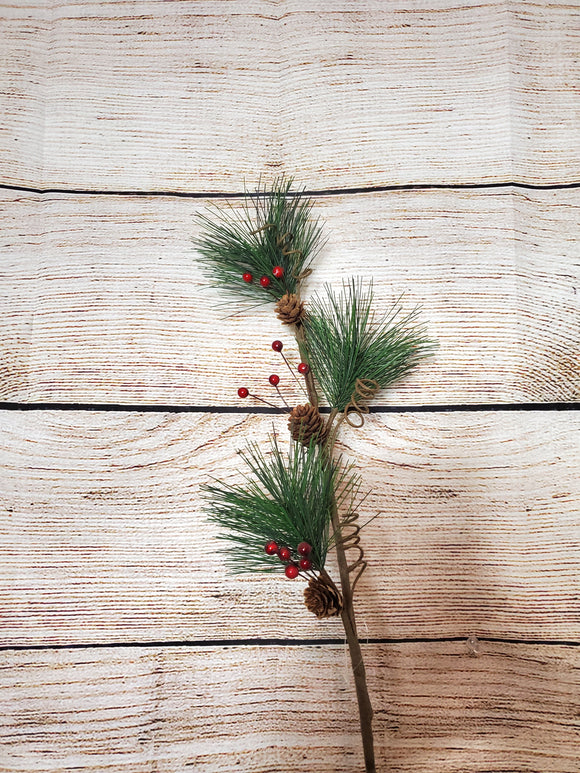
x: 442, y: 144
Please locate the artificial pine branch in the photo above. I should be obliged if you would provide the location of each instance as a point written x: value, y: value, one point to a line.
x: 346, y: 342
x: 240, y: 248
x: 265, y: 251
x: 287, y: 499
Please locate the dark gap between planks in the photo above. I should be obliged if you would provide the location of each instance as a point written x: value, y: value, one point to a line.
x: 314, y: 642
x: 310, y: 192
x: 161, y: 408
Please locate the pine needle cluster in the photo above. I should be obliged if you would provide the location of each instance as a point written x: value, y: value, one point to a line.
x: 285, y: 498
x: 345, y: 341
x: 274, y: 227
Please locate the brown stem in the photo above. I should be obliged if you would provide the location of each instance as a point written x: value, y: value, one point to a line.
x: 358, y: 667
x: 348, y: 619
x: 310, y: 386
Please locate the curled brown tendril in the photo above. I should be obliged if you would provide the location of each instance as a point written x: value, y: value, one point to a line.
x: 262, y: 228
x: 303, y: 275
x: 283, y: 241
x: 351, y: 541
x: 365, y: 389
x: 282, y: 238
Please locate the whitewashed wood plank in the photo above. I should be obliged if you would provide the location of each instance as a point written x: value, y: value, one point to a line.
x: 273, y: 709
x: 201, y: 96
x: 544, y: 43
x: 104, y: 539
x: 105, y: 302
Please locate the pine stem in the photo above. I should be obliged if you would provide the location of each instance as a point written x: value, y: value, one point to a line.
x: 309, y: 379
x: 358, y: 667
x: 348, y: 619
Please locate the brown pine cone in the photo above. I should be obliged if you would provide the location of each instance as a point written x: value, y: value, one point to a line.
x: 305, y: 422
x: 290, y: 309
x: 322, y: 597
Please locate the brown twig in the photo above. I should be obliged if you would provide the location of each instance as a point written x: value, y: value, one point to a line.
x: 309, y: 378
x: 365, y: 709
x: 348, y: 617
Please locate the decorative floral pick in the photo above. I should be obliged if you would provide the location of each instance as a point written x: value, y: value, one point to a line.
x: 292, y: 508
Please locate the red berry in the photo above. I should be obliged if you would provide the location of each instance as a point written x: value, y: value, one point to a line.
x: 278, y: 272
x: 291, y: 571
x: 271, y: 548
x: 247, y: 277
x: 265, y: 281
x: 285, y: 554
x: 305, y: 564
x: 243, y: 392
x: 304, y: 549
x: 277, y: 346
x: 303, y: 368
x: 274, y: 379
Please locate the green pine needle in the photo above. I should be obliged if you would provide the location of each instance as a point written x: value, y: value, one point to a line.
x: 345, y: 342
x: 285, y: 498
x: 273, y: 228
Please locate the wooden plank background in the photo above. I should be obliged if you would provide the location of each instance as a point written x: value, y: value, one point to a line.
x: 512, y: 707
x: 477, y: 532
x: 103, y: 314
x: 198, y: 96
x: 441, y: 145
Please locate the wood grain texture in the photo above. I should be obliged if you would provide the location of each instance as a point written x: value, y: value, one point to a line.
x: 200, y: 96
x: 514, y: 708
x: 105, y: 303
x: 104, y: 539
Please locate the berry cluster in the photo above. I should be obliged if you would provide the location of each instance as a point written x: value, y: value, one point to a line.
x: 265, y: 281
x: 294, y: 565
x: 303, y: 368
